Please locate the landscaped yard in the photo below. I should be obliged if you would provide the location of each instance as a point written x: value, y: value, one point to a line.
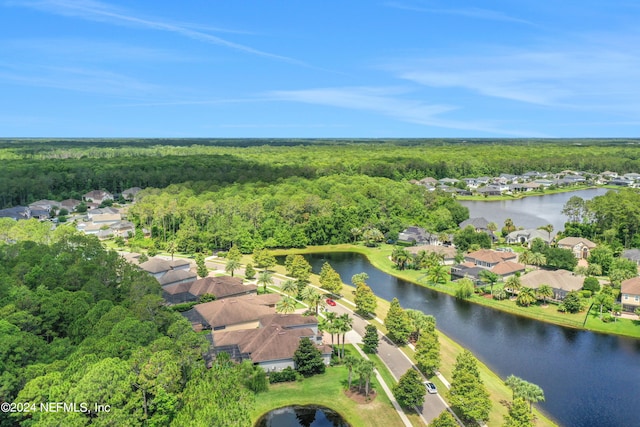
x: 328, y: 390
x: 630, y: 327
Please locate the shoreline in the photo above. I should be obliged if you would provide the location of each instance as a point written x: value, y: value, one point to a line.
x: 534, y: 193
x: 559, y: 319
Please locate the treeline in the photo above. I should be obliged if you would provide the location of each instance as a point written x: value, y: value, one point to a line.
x: 292, y: 213
x: 613, y: 219
x: 59, y: 169
x: 80, y: 325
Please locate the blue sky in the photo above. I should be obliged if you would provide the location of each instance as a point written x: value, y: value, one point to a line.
x: 369, y: 69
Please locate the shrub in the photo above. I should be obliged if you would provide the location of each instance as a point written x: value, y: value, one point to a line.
x: 585, y: 293
x: 222, y: 254
x: 286, y: 375
x: 185, y: 306
x: 591, y: 284
x: 607, y: 317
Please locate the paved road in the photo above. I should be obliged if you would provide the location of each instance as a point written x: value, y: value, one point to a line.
x: 397, y: 362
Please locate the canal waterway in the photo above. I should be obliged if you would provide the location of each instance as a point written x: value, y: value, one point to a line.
x: 529, y: 212
x: 589, y: 379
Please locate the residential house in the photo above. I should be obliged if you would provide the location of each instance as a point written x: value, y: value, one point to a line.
x: 428, y: 182
x: 97, y: 196
x: 561, y: 281
x: 41, y: 214
x: 232, y: 313
x: 16, y: 212
x: 479, y: 225
x: 580, y: 246
x: 130, y: 193
x: 544, y: 182
x: 221, y: 287
x: 526, y: 236
x: 524, y: 187
x: 158, y: 267
x: 621, y: 181
x: 106, y: 219
x: 46, y: 205
x: 272, y: 345
x: 123, y: 229
x: 501, y: 263
x: 632, y: 255
x: 493, y: 189
x: 630, y: 294
x: 448, y: 253
x: 174, y: 277
x: 448, y: 181
x: 417, y: 236
x: 632, y: 176
x: 70, y: 204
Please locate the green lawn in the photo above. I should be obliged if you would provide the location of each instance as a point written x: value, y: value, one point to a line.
x: 627, y: 327
x: 328, y: 390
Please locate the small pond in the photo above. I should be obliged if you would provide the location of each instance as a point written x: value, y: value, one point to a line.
x: 302, y: 416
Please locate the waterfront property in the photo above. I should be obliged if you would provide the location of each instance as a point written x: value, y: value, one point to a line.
x: 448, y: 253
x: 561, y: 281
x: 580, y: 246
x: 501, y: 263
x: 418, y: 236
x: 523, y: 237
x: 630, y: 294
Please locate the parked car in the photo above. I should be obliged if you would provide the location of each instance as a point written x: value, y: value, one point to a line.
x: 331, y: 302
x: 431, y: 387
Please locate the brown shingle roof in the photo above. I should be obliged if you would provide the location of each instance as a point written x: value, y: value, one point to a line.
x: 447, y: 251
x: 572, y: 241
x: 231, y: 311
x: 173, y: 276
x: 631, y: 286
x: 507, y: 267
x: 155, y: 265
x: 288, y: 320
x: 491, y: 257
x: 221, y: 287
x: 559, y: 279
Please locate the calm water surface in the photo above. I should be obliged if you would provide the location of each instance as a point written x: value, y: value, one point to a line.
x: 529, y: 212
x: 589, y: 379
x: 302, y: 416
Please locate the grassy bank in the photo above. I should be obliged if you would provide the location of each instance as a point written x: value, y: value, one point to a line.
x: 328, y: 390
x: 379, y: 258
x: 522, y: 195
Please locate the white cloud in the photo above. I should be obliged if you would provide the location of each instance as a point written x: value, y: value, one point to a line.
x: 102, y: 12
x: 572, y: 76
x: 387, y: 102
x: 468, y: 12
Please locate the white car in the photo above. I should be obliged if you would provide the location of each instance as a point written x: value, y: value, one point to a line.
x: 431, y: 387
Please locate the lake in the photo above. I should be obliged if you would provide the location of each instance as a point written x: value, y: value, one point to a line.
x: 529, y: 212
x: 302, y: 416
x: 589, y: 379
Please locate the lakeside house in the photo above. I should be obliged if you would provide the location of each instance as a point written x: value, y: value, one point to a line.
x: 561, y: 281
x: 447, y: 253
x: 417, y: 236
x: 630, y: 294
x: 526, y: 236
x: 580, y: 246
x: 504, y: 264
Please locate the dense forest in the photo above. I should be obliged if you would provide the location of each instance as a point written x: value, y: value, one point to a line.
x: 294, y: 212
x: 59, y: 169
x: 80, y: 325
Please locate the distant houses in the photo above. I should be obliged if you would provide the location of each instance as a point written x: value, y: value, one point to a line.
x: 561, y: 281
x: 579, y: 246
x: 418, y: 236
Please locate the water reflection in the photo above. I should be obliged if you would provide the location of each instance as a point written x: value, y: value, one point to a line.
x: 302, y: 416
x: 589, y: 379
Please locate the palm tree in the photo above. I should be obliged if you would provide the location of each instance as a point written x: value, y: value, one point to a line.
x: 171, y: 247
x: 232, y: 265
x: 513, y: 284
x: 351, y: 362
x: 490, y: 278
x: 438, y: 274
x: 525, y: 257
x: 313, y: 298
x: 328, y: 324
x: 400, y: 257
x: 289, y: 287
x: 537, y: 259
x: 545, y: 291
x: 526, y: 296
x: 548, y: 228
x: 515, y: 384
x: 365, y: 369
x: 345, y: 324
x: 286, y: 305
x: 265, y: 278
x: 532, y: 393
